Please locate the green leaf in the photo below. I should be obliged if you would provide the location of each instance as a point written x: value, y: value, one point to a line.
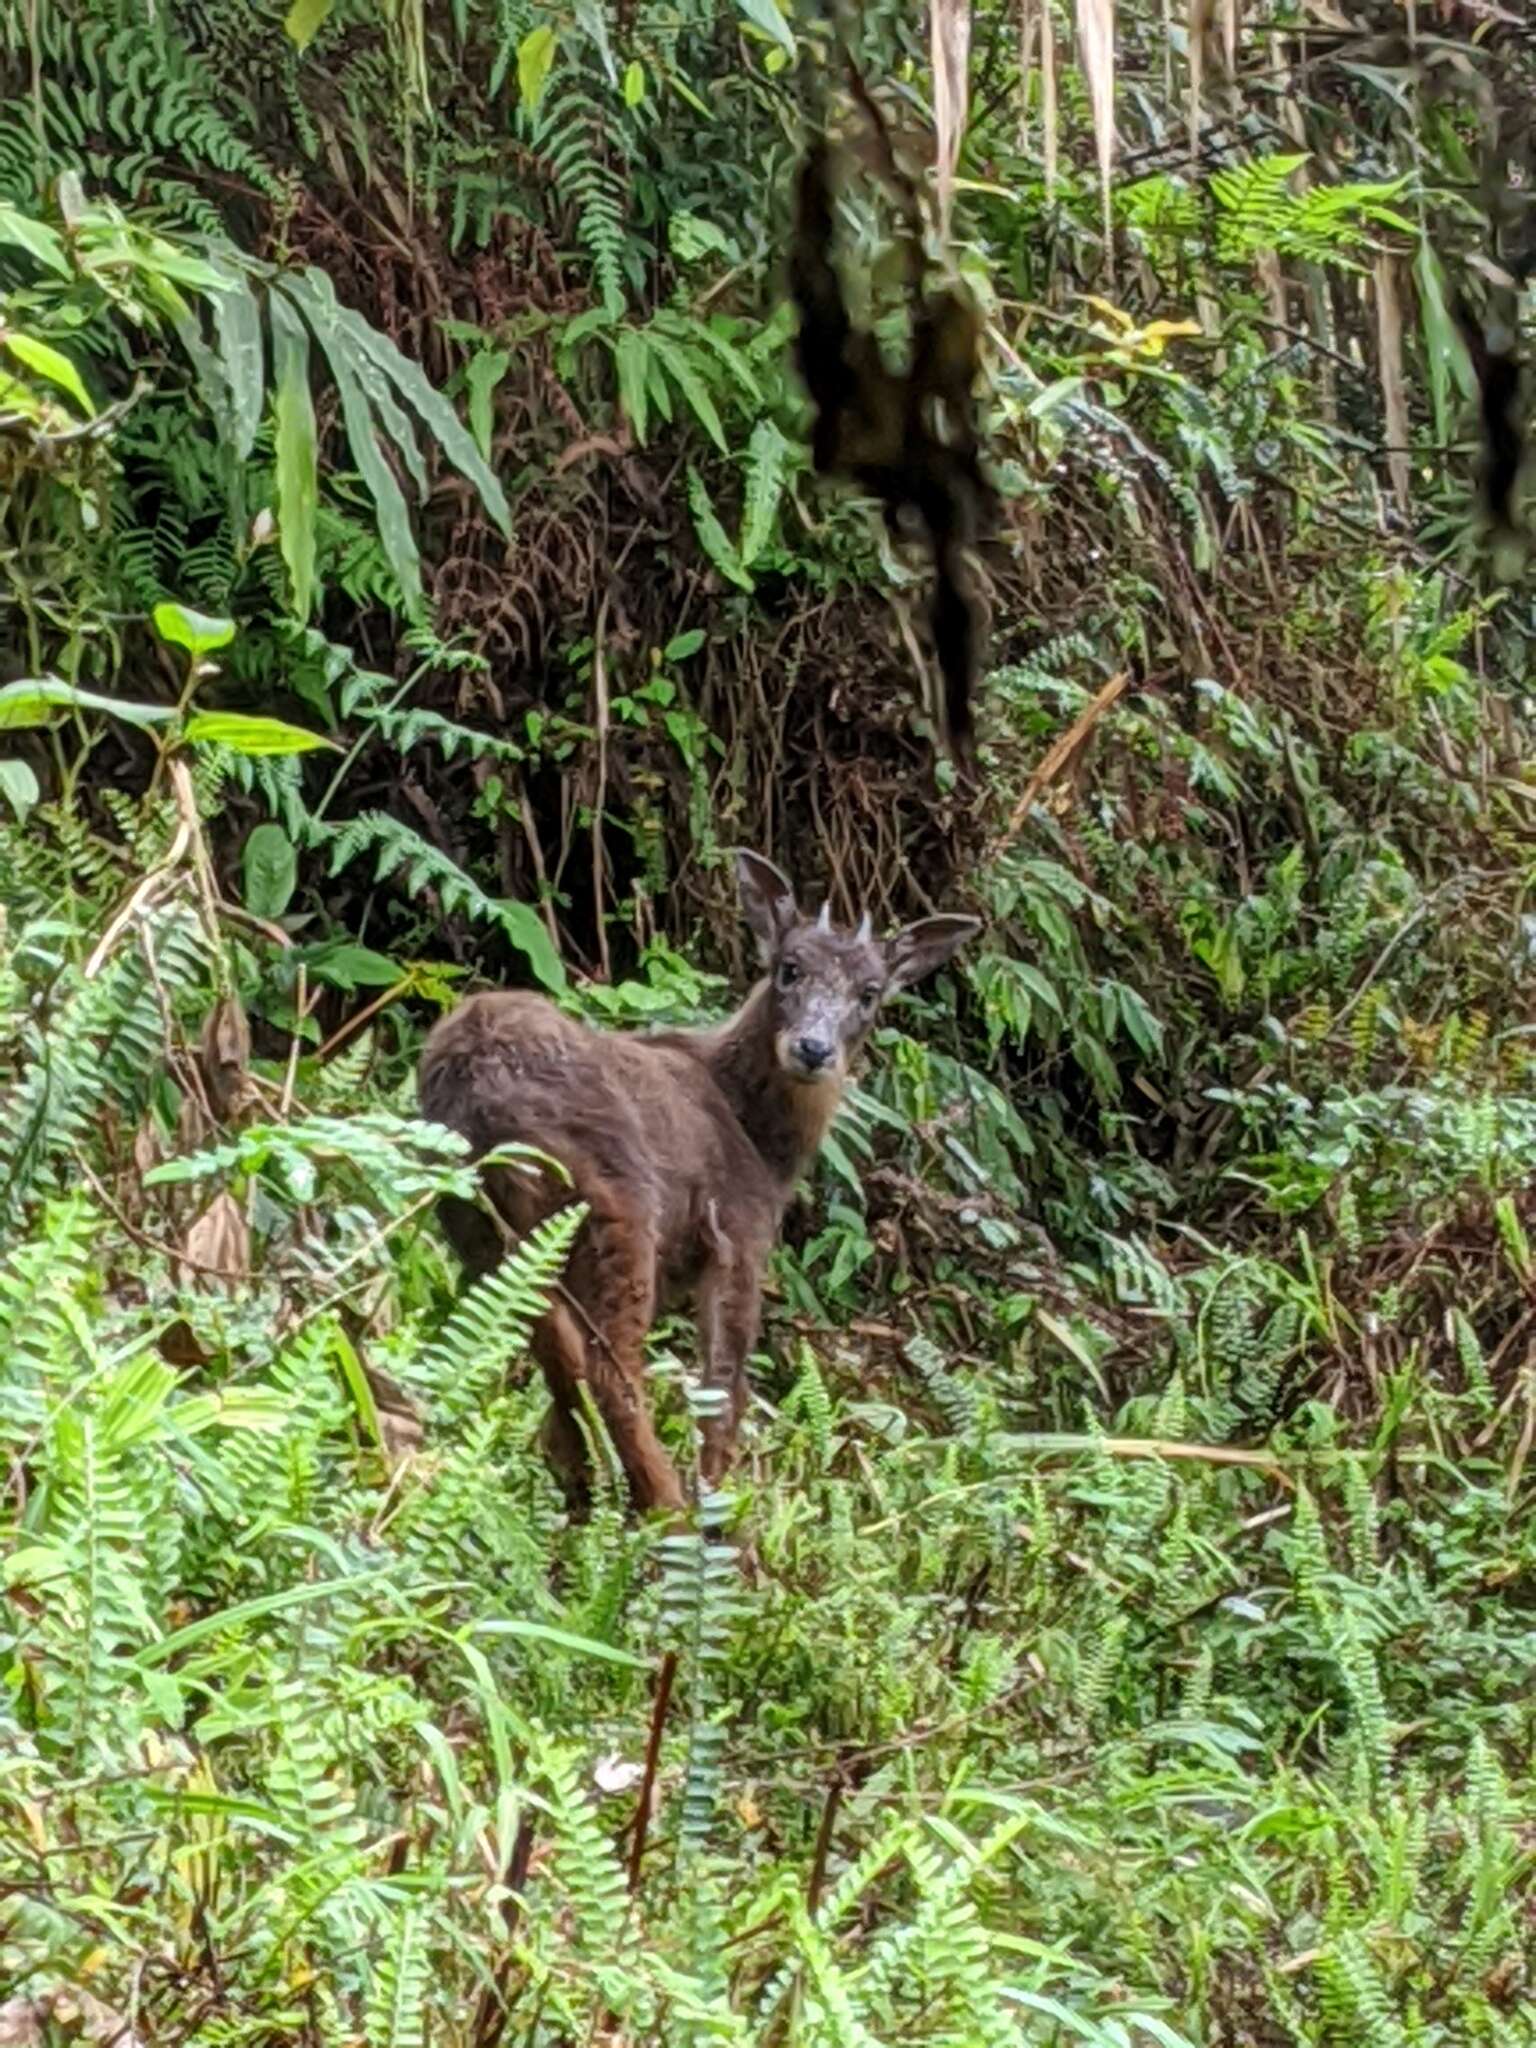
x: 34, y: 700
x: 560, y: 1638
x: 713, y: 537
x: 764, y: 14
x: 34, y: 1565
x: 485, y: 371
x: 199, y: 634
x: 632, y: 357
x: 35, y: 237
x: 690, y: 236
x: 634, y: 83
x: 305, y: 19
x: 18, y: 785
x: 237, y: 322
x: 301, y: 1595
x: 347, y: 967
x: 535, y: 57
x: 692, y: 386
x: 351, y: 345
x: 767, y: 458
x: 18, y: 398
x: 1445, y: 352
x: 692, y: 333
x: 435, y: 413
x: 250, y: 736
x: 298, y: 479
x: 165, y: 1697
x: 270, y: 867
x: 363, y: 1403
x: 1144, y: 1027
x: 685, y: 644
x: 44, y: 361
x: 528, y: 932
x: 318, y: 302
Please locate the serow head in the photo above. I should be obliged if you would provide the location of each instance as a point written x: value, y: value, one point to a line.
x: 826, y: 983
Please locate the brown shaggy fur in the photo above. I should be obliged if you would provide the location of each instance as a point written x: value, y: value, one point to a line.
x: 686, y: 1147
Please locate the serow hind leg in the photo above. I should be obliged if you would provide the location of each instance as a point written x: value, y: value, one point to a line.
x: 614, y: 1279
x: 558, y: 1347
x: 730, y: 1312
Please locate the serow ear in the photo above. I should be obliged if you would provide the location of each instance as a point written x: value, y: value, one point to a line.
x: 922, y: 947
x: 768, y: 898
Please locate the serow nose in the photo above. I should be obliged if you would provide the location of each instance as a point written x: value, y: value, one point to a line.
x: 813, y: 1054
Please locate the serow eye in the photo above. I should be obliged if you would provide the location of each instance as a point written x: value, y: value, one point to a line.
x: 789, y: 974
x: 870, y: 996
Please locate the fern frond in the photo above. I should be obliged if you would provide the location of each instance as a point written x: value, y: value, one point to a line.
x: 493, y: 1322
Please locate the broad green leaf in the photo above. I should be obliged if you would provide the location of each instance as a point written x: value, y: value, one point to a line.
x: 1445, y: 352
x: 527, y: 931
x: 305, y: 19
x: 270, y: 867
x: 764, y: 14
x: 535, y: 57
x: 341, y: 330
x: 318, y: 302
x: 344, y: 332
x: 298, y: 481
x: 212, y: 381
x: 484, y: 372
x: 767, y: 459
x: 592, y: 20
x: 725, y: 352
x: 595, y: 320
x: 692, y: 386
x: 34, y: 701
x: 250, y: 736
x: 195, y: 631
x: 237, y: 322
x: 683, y: 645
x: 364, y: 1405
x: 634, y: 83
x: 632, y: 358
x: 35, y: 237
x: 345, y: 966
x: 713, y: 537
x: 394, y: 517
x: 1144, y: 1027
x: 45, y: 361
x: 690, y: 236
x: 436, y: 414
x: 18, y: 785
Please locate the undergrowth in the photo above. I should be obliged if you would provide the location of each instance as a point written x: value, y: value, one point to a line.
x: 1120, y: 1628
x: 987, y: 1706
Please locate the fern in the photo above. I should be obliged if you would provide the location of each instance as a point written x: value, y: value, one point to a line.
x: 1356, y: 2000
x: 99, y: 1524
x: 569, y: 131
x: 699, y: 1602
x: 395, y: 2016
x: 395, y: 845
x: 809, y: 1400
x: 493, y: 1321
x: 42, y: 1280
x: 104, y: 1038
x: 133, y: 83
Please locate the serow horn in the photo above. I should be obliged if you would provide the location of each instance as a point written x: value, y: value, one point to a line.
x: 866, y: 928
x: 824, y: 917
